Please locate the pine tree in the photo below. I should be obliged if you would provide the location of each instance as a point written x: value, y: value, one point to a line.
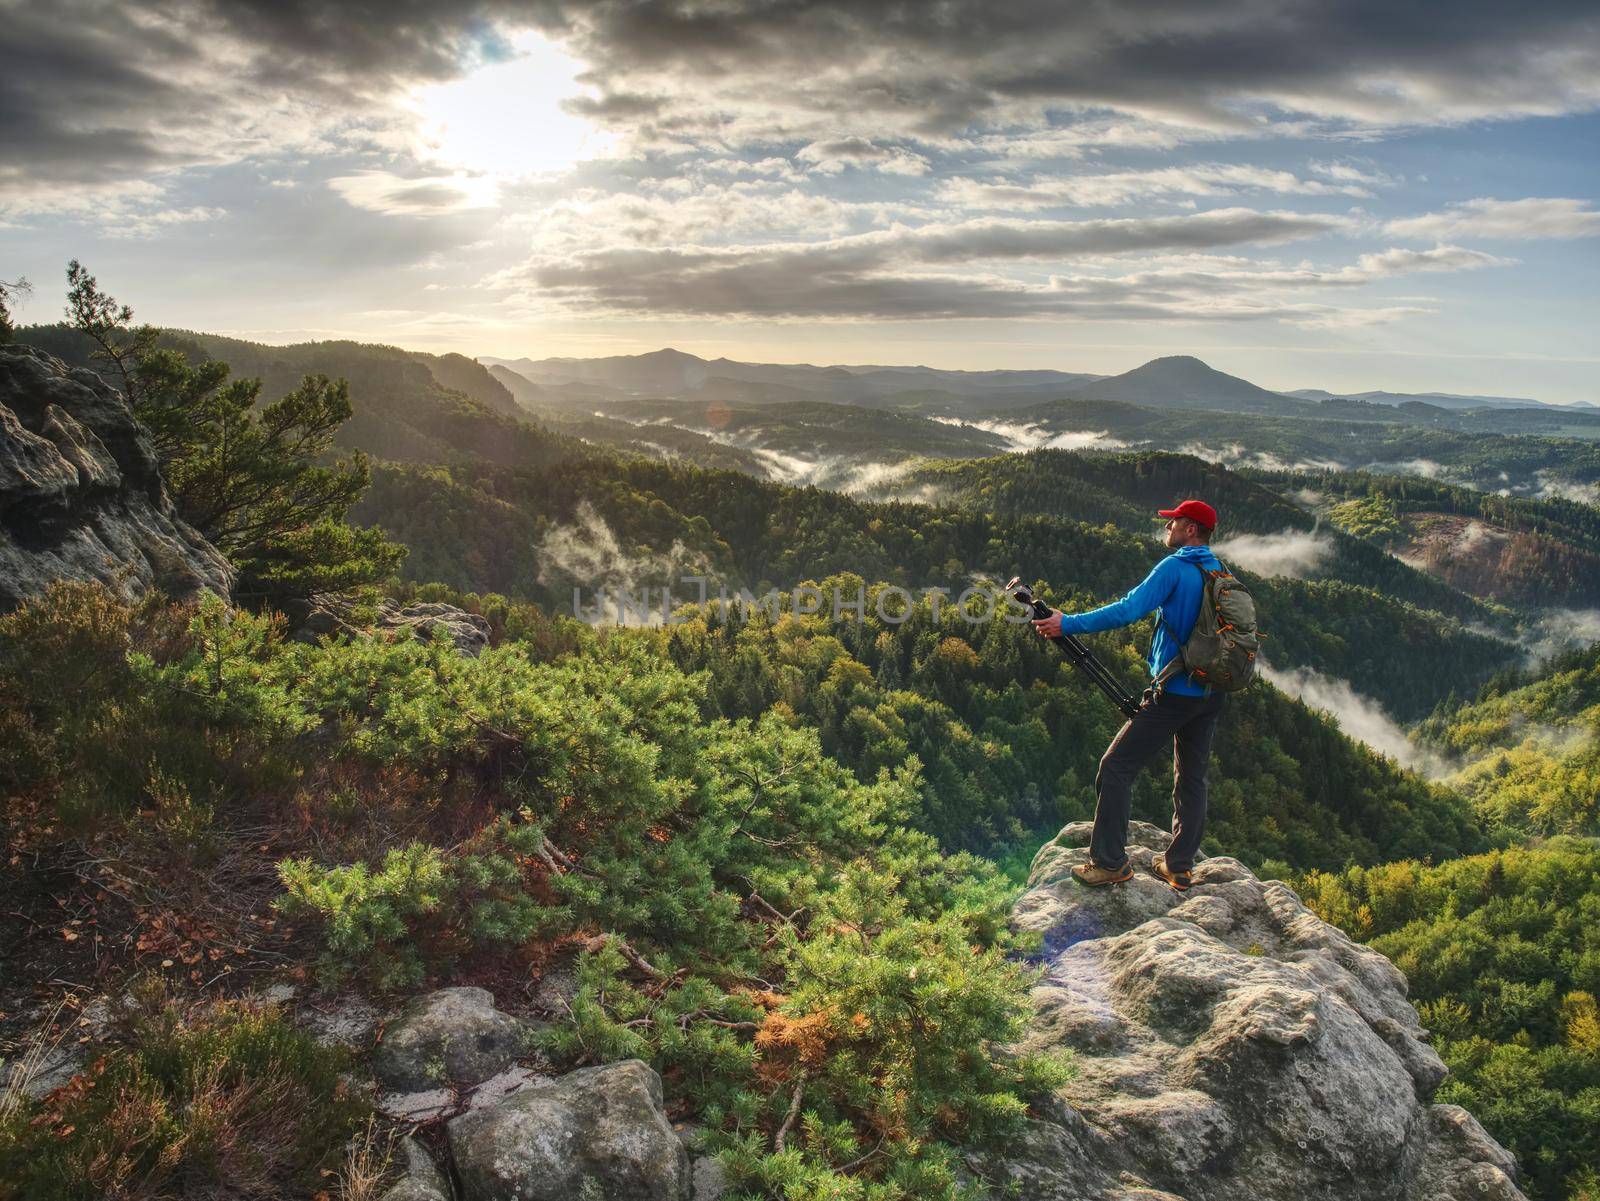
x: 252, y: 478
x: 8, y: 296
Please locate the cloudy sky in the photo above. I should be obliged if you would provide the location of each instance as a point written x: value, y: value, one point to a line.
x: 1346, y: 195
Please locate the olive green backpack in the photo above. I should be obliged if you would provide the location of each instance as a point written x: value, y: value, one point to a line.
x: 1221, y: 650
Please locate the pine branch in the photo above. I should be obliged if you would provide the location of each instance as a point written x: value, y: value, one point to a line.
x: 788, y: 1122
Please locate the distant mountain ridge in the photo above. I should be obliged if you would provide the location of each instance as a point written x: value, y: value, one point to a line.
x: 1184, y: 382
x: 1445, y: 400
x: 1172, y: 381
x: 671, y: 372
x: 1176, y: 381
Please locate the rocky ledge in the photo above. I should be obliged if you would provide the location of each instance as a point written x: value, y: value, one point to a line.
x: 1229, y: 1043
x: 515, y: 1134
x: 81, y: 496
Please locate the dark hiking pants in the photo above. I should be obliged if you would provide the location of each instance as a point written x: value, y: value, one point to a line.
x: 1188, y: 724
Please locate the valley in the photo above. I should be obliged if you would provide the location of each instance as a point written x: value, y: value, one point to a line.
x: 1425, y: 714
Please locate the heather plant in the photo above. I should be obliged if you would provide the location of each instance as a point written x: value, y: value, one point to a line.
x: 225, y: 1099
x: 114, y: 710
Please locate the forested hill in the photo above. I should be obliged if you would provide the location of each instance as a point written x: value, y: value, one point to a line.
x: 1528, y: 748
x: 1528, y: 550
x: 465, y: 526
x: 406, y: 406
x: 1126, y: 490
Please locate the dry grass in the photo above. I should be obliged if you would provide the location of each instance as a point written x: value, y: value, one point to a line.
x: 21, y: 1072
x: 367, y: 1160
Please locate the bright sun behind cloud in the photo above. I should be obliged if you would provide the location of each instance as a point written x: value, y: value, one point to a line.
x: 505, y: 119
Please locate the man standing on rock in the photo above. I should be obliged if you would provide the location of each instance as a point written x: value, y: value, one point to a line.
x: 1175, y: 709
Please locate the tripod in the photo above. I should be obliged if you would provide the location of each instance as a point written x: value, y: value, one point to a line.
x: 1082, y: 658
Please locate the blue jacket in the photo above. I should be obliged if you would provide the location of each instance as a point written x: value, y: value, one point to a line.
x: 1172, y: 586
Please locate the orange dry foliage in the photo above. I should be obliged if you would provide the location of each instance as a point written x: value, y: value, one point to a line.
x: 806, y: 1040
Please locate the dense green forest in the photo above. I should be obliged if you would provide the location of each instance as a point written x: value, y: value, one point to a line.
x: 1009, y: 735
x: 1502, y: 952
x: 1482, y: 460
x: 759, y: 535
x: 717, y: 815
x: 1529, y: 746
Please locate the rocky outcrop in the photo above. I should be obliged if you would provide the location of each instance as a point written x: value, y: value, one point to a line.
x: 453, y: 1036
x: 597, y: 1132
x: 468, y: 632
x: 1229, y: 1043
x: 81, y: 496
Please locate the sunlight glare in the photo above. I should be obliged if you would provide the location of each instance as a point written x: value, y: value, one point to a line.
x: 505, y: 119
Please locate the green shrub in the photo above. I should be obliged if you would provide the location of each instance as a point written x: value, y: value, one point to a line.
x: 390, y: 923
x: 227, y: 1100
x: 743, y: 899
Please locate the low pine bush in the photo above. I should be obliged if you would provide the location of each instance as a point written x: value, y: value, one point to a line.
x: 828, y: 993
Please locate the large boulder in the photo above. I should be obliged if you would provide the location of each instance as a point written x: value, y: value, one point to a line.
x: 597, y: 1132
x: 81, y: 496
x: 1229, y: 1043
x: 454, y: 1036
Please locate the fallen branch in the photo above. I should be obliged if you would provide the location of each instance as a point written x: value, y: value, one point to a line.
x: 705, y: 1016
x: 772, y: 910
x: 555, y: 853
x: 543, y: 851
x: 558, y: 863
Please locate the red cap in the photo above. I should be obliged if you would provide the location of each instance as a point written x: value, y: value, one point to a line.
x: 1196, y: 510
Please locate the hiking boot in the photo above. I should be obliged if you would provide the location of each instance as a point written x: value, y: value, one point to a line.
x: 1094, y: 874
x: 1176, y: 880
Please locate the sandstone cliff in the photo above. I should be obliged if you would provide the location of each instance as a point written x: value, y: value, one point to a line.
x: 1229, y: 1044
x: 81, y: 496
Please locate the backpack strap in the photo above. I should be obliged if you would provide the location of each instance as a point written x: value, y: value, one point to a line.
x: 1175, y: 666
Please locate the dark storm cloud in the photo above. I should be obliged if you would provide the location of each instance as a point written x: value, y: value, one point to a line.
x: 77, y: 102
x: 95, y: 90
x: 1062, y: 239
x: 803, y: 284
x: 618, y: 106
x: 940, y: 68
